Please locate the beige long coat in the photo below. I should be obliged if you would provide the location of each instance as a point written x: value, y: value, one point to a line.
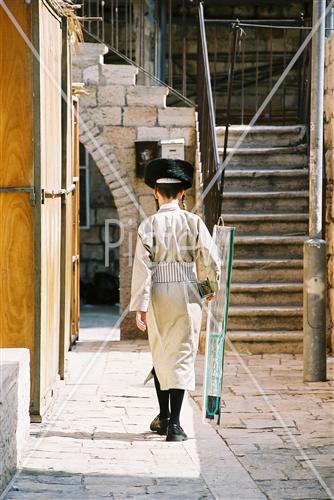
x: 173, y: 308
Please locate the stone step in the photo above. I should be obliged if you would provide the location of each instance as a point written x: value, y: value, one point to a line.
x: 265, y: 318
x: 141, y: 95
x: 268, y: 247
x: 271, y: 341
x: 265, y: 201
x: 265, y: 294
x: 266, y: 180
x: 110, y: 74
x: 268, y: 224
x: 263, y: 135
x: 267, y: 270
x: 271, y: 158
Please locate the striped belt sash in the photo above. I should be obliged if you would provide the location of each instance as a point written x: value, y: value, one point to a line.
x: 167, y: 272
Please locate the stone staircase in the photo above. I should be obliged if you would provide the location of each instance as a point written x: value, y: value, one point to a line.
x: 266, y: 200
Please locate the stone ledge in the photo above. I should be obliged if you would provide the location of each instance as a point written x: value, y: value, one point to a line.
x: 88, y: 54
x: 141, y: 95
x: 118, y: 74
x: 14, y: 410
x: 182, y: 117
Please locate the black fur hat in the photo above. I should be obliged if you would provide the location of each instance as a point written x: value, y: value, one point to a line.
x: 169, y: 168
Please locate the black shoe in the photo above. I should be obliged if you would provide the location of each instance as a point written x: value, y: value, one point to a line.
x: 160, y: 425
x: 176, y: 433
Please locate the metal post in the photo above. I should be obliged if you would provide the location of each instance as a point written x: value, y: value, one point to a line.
x: 162, y: 54
x: 235, y: 29
x: 314, y: 323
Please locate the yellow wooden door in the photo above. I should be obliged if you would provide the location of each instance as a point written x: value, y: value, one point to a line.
x: 16, y: 182
x: 75, y: 313
x: 67, y: 202
x: 50, y: 180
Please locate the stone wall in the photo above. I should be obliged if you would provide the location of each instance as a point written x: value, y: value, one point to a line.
x: 329, y: 148
x: 113, y: 115
x: 8, y: 421
x: 14, y: 410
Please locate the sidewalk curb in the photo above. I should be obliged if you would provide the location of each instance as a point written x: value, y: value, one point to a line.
x: 220, y: 469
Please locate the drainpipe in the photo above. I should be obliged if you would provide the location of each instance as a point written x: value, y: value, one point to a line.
x: 315, y: 278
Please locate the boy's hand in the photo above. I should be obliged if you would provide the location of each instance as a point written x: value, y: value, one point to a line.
x: 210, y: 297
x: 141, y: 320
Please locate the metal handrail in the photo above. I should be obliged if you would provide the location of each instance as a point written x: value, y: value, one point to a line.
x: 209, y: 154
x: 237, y: 32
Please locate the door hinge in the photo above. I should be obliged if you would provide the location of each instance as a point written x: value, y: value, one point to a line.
x: 29, y: 189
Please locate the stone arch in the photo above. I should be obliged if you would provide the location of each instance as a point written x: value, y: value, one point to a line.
x: 118, y: 181
x: 105, y: 158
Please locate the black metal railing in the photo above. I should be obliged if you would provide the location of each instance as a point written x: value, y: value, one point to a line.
x: 212, y: 174
x: 121, y: 26
x: 154, y: 35
x: 161, y: 37
x: 259, y: 56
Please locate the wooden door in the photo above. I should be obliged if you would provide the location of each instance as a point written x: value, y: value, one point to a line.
x: 75, y: 228
x: 67, y: 204
x: 16, y: 181
x: 49, y: 176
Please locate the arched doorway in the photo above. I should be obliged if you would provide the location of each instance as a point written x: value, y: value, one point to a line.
x: 99, y: 260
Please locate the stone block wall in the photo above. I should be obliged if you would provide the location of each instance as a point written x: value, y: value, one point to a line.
x: 8, y: 421
x: 329, y: 152
x: 113, y: 115
x: 14, y: 410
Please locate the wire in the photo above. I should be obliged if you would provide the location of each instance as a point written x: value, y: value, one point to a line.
x: 236, y: 22
x: 275, y: 26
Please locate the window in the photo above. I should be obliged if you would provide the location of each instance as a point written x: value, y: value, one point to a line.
x: 84, y: 188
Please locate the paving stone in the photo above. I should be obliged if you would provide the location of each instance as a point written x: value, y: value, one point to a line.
x: 29, y: 486
x: 303, y: 489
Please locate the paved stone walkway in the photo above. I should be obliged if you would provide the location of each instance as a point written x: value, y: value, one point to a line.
x: 280, y: 429
x: 275, y: 441
x: 95, y: 441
